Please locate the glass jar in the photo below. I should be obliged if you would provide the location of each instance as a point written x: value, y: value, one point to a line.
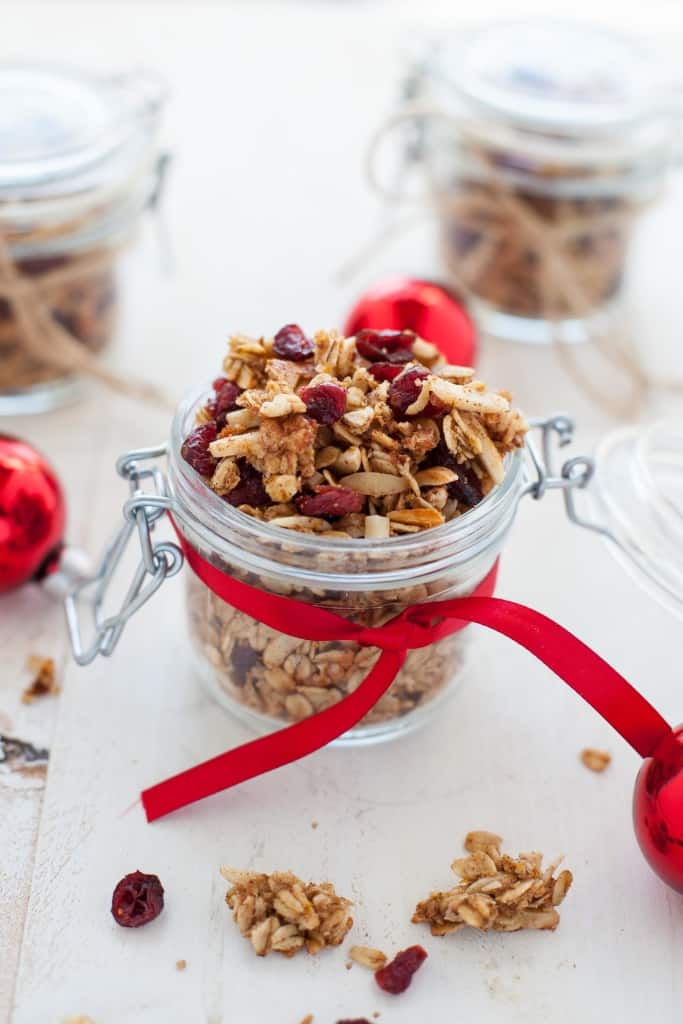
x: 269, y: 678
x: 79, y: 162
x: 543, y: 142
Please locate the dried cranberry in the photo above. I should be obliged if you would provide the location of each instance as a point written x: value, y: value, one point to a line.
x: 467, y: 488
x: 385, y: 346
x: 226, y: 401
x: 137, y: 900
x: 250, y: 489
x: 386, y: 371
x: 396, y: 976
x: 325, y: 403
x: 405, y: 389
x: 291, y: 343
x: 243, y: 658
x: 330, y: 502
x: 195, y: 449
x: 218, y: 383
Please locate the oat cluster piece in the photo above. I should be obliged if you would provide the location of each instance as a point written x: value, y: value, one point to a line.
x: 595, y: 760
x: 371, y: 436
x: 44, y: 680
x: 496, y: 891
x: 281, y: 913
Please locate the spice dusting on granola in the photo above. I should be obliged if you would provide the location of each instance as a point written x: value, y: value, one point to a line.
x: 371, y: 436
x: 496, y: 891
x: 279, y: 912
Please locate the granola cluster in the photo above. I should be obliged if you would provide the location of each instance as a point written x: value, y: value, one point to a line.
x: 279, y: 912
x: 496, y: 891
x: 371, y: 436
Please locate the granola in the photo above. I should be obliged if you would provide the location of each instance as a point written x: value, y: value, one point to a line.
x: 281, y: 913
x: 44, y: 680
x: 372, y: 436
x: 496, y: 891
x: 368, y: 957
x: 595, y: 760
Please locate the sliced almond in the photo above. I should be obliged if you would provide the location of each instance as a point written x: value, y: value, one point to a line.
x: 348, y: 461
x: 376, y: 485
x: 489, y: 456
x: 242, y: 419
x: 467, y: 396
x: 359, y: 419
x: 301, y: 523
x: 435, y: 477
x: 425, y: 351
x: 326, y: 456
x: 282, y: 405
x: 421, y: 517
x: 241, y: 444
x: 461, y: 374
x: 382, y: 439
x: 377, y: 527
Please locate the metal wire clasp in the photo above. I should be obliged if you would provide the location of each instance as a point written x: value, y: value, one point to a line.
x: 141, y: 512
x: 576, y: 473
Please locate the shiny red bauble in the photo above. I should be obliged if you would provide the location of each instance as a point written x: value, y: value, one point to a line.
x: 429, y: 309
x: 32, y: 514
x: 658, y: 811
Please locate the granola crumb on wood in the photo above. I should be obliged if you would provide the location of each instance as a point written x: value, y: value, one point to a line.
x: 595, y: 760
x: 44, y: 680
x: 496, y: 892
x: 280, y: 913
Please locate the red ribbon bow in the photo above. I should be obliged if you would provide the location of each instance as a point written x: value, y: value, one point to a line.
x: 418, y: 625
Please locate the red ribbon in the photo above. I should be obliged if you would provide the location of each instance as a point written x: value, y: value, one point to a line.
x: 417, y: 626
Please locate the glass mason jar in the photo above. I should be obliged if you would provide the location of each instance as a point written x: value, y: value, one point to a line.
x: 543, y: 141
x: 79, y: 163
x: 269, y: 678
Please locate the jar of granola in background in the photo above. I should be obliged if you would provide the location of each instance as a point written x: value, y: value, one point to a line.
x: 543, y: 142
x: 79, y: 163
x: 270, y: 679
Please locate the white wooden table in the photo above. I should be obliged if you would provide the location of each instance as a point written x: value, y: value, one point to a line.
x: 270, y: 108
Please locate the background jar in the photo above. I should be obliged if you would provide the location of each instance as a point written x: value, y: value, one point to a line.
x: 271, y: 679
x: 543, y: 141
x: 79, y: 163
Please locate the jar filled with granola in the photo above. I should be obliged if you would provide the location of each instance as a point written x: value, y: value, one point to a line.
x: 79, y: 163
x: 543, y: 142
x: 362, y: 475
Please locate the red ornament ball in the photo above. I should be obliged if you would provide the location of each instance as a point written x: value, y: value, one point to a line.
x: 32, y: 514
x: 429, y: 309
x: 658, y: 811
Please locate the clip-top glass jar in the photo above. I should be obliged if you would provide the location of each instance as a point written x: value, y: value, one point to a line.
x: 79, y: 162
x: 270, y: 678
x: 542, y: 140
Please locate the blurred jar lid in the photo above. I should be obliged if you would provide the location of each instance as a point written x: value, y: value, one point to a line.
x: 639, y: 492
x: 559, y: 91
x: 70, y: 139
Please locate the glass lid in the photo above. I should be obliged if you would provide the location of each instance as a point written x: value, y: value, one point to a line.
x: 63, y: 130
x: 554, y: 75
x: 639, y: 490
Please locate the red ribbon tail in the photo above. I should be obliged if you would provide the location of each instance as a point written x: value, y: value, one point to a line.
x: 589, y: 675
x: 276, y: 749
x: 581, y: 668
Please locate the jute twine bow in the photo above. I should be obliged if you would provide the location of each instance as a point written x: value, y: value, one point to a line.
x: 48, y: 341
x: 502, y: 218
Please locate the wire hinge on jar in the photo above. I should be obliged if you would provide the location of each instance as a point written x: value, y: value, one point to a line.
x: 142, y: 511
x: 575, y: 475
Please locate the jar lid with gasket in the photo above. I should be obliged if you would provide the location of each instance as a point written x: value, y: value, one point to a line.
x: 80, y: 161
x: 568, y: 100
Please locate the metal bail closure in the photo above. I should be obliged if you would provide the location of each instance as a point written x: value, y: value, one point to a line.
x: 142, y: 512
